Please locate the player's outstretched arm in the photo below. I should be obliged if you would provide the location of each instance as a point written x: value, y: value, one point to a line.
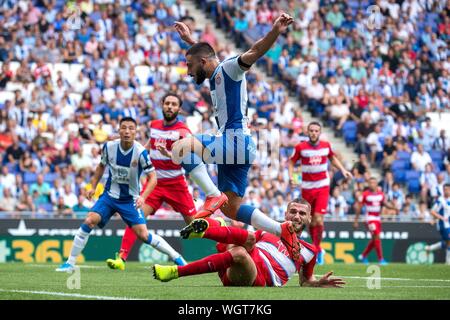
x: 291, y: 171
x: 184, y: 32
x: 98, y: 174
x: 262, y: 45
x: 325, y: 282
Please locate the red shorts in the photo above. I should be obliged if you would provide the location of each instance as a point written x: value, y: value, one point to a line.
x: 317, y: 198
x: 176, y: 195
x: 262, y: 279
x: 374, y: 227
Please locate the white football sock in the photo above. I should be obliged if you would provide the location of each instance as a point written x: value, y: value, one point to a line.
x: 447, y: 258
x: 79, y: 242
x: 160, y: 244
x: 261, y: 221
x: 435, y: 246
x: 201, y: 177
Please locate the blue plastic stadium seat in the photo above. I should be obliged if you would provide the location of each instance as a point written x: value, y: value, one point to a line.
x: 436, y: 155
x: 404, y: 155
x: 48, y: 207
x: 412, y: 175
x: 50, y: 177
x: 399, y: 176
x: 29, y: 178
x: 399, y: 165
x: 413, y: 186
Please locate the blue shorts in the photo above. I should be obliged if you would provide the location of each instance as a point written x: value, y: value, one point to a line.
x: 106, y: 207
x: 234, y: 153
x: 445, y: 234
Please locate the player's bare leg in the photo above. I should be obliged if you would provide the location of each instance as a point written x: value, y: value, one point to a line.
x: 80, y: 240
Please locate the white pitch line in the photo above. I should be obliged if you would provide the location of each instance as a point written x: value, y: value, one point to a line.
x: 390, y: 279
x: 72, y: 295
x: 82, y: 266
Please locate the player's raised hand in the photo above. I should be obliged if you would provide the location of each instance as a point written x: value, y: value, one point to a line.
x: 90, y: 194
x: 184, y: 32
x: 282, y: 22
x: 327, y: 282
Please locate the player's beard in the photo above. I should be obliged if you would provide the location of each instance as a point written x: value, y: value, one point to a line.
x: 200, y: 76
x: 169, y: 117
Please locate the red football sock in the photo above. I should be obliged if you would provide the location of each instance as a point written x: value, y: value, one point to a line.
x: 221, y: 247
x: 377, y: 243
x: 316, y: 235
x: 212, y: 222
x: 230, y: 235
x: 212, y: 263
x: 369, y: 248
x: 128, y: 240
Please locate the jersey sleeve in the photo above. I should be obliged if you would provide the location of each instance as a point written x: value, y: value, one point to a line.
x: 146, y: 163
x: 233, y: 69
x: 437, y: 207
x: 308, y: 267
x: 297, y: 155
x: 104, y: 156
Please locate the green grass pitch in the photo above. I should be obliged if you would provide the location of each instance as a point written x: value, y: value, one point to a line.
x: 40, y: 281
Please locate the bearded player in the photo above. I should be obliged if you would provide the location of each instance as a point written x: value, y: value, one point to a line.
x: 171, y: 185
x: 256, y: 259
x: 314, y: 155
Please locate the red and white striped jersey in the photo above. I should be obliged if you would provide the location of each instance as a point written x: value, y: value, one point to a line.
x: 167, y: 172
x: 314, y: 161
x: 373, y: 202
x: 279, y: 264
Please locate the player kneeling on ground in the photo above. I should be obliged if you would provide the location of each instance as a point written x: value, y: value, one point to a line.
x: 253, y: 258
x: 127, y: 159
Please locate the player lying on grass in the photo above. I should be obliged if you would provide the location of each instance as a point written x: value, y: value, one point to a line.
x: 256, y: 259
x: 126, y: 159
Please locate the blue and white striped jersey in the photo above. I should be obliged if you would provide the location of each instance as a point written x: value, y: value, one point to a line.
x: 442, y: 207
x: 228, y: 87
x: 125, y: 169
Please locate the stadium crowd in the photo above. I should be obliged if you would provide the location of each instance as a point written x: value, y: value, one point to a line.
x: 65, y: 84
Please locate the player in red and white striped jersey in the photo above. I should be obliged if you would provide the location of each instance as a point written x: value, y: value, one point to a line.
x: 257, y: 259
x: 171, y: 185
x: 373, y: 200
x: 314, y: 155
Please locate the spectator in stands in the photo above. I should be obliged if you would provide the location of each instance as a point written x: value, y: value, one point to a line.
x: 338, y: 206
x: 40, y: 190
x: 442, y: 143
x: 420, y: 158
x: 428, y: 184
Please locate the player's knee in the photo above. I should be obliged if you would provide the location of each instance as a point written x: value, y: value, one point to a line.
x: 91, y: 222
x: 142, y: 234
x: 239, y: 254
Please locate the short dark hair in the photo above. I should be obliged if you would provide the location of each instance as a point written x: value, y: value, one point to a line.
x: 447, y: 185
x: 201, y: 49
x: 130, y: 119
x: 314, y: 123
x: 301, y: 201
x: 172, y: 94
